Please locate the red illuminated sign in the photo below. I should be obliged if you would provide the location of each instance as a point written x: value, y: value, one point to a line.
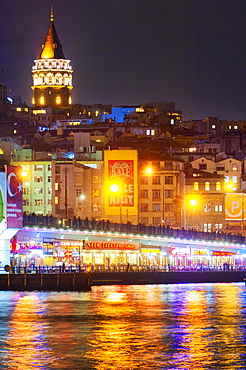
x: 122, y: 172
x: 216, y: 253
x: 100, y: 245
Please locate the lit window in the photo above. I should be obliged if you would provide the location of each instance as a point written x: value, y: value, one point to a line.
x: 235, y: 127
x: 227, y: 179
x: 218, y: 185
x: 172, y: 121
x: 1, y: 151
x: 196, y: 185
x: 152, y: 132
x: 42, y: 100
x: 56, y: 200
x: 56, y: 186
x: 207, y: 185
x: 218, y: 208
x: 58, y: 100
x: 38, y: 167
x: 15, y: 131
x: 38, y: 202
x: 96, y: 207
x: 234, y: 179
x: 69, y: 100
x: 229, y: 127
x: 96, y: 113
x: 213, y: 127
x: 38, y: 191
x: 234, y: 167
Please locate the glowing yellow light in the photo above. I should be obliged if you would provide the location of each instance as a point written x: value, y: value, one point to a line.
x: 69, y: 100
x: 114, y: 188
x: 24, y: 174
x: 149, y: 170
x: 18, y: 109
x: 42, y: 100
x: 193, y: 202
x: 58, y: 100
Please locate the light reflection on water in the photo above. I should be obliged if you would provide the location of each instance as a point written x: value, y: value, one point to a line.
x: 183, y: 326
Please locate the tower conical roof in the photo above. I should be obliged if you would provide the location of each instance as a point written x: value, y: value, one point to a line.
x: 52, y: 49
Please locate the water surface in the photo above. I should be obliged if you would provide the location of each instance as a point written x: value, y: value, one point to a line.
x: 182, y: 326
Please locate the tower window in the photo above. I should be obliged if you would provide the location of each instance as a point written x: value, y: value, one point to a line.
x: 58, y: 100
x: 42, y: 100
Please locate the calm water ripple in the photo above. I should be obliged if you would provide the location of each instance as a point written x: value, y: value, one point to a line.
x: 183, y: 326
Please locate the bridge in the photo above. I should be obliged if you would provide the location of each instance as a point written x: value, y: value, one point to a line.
x: 126, y: 229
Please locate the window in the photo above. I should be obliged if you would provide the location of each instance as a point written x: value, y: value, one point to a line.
x: 49, y: 190
x: 144, y: 180
x: 168, y: 207
x: 78, y: 178
x: 220, y: 168
x: 96, y: 179
x: 207, y: 207
x: 95, y: 193
x: 78, y: 193
x: 26, y: 202
x: 218, y: 186
x: 38, y: 202
x: 218, y: 208
x: 207, y: 185
x: 144, y: 194
x: 156, y: 220
x: 56, y: 186
x: 144, y: 220
x: 144, y: 207
x: 168, y: 180
x: 38, y: 179
x: 227, y: 179
x: 196, y: 185
x: 25, y: 190
x: 38, y: 190
x: 168, y: 166
x: 234, y: 179
x: 156, y: 207
x: 156, y: 180
x: 56, y: 200
x: 156, y: 194
x: 49, y: 167
x: 202, y: 166
x: 96, y: 207
x: 234, y: 167
x: 168, y: 193
x: 49, y: 178
x: 38, y: 167
x: 49, y: 202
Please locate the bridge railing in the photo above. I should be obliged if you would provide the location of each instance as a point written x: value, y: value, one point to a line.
x: 33, y: 220
x: 123, y: 268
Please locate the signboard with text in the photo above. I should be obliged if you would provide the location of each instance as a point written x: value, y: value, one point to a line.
x: 120, y: 171
x: 235, y: 204
x: 14, y: 197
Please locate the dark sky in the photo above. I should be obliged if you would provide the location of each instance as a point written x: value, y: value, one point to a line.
x: 127, y: 52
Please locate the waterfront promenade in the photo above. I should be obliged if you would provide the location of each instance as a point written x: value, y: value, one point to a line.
x: 74, y: 279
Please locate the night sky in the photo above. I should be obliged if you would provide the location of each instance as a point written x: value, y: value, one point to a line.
x: 127, y: 52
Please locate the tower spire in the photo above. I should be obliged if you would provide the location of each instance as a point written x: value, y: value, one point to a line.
x: 51, y: 13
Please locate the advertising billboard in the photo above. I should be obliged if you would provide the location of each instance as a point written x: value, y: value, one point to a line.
x: 235, y: 204
x: 14, y: 197
x: 121, y: 183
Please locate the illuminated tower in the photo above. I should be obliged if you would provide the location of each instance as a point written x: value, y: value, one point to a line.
x: 52, y: 73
